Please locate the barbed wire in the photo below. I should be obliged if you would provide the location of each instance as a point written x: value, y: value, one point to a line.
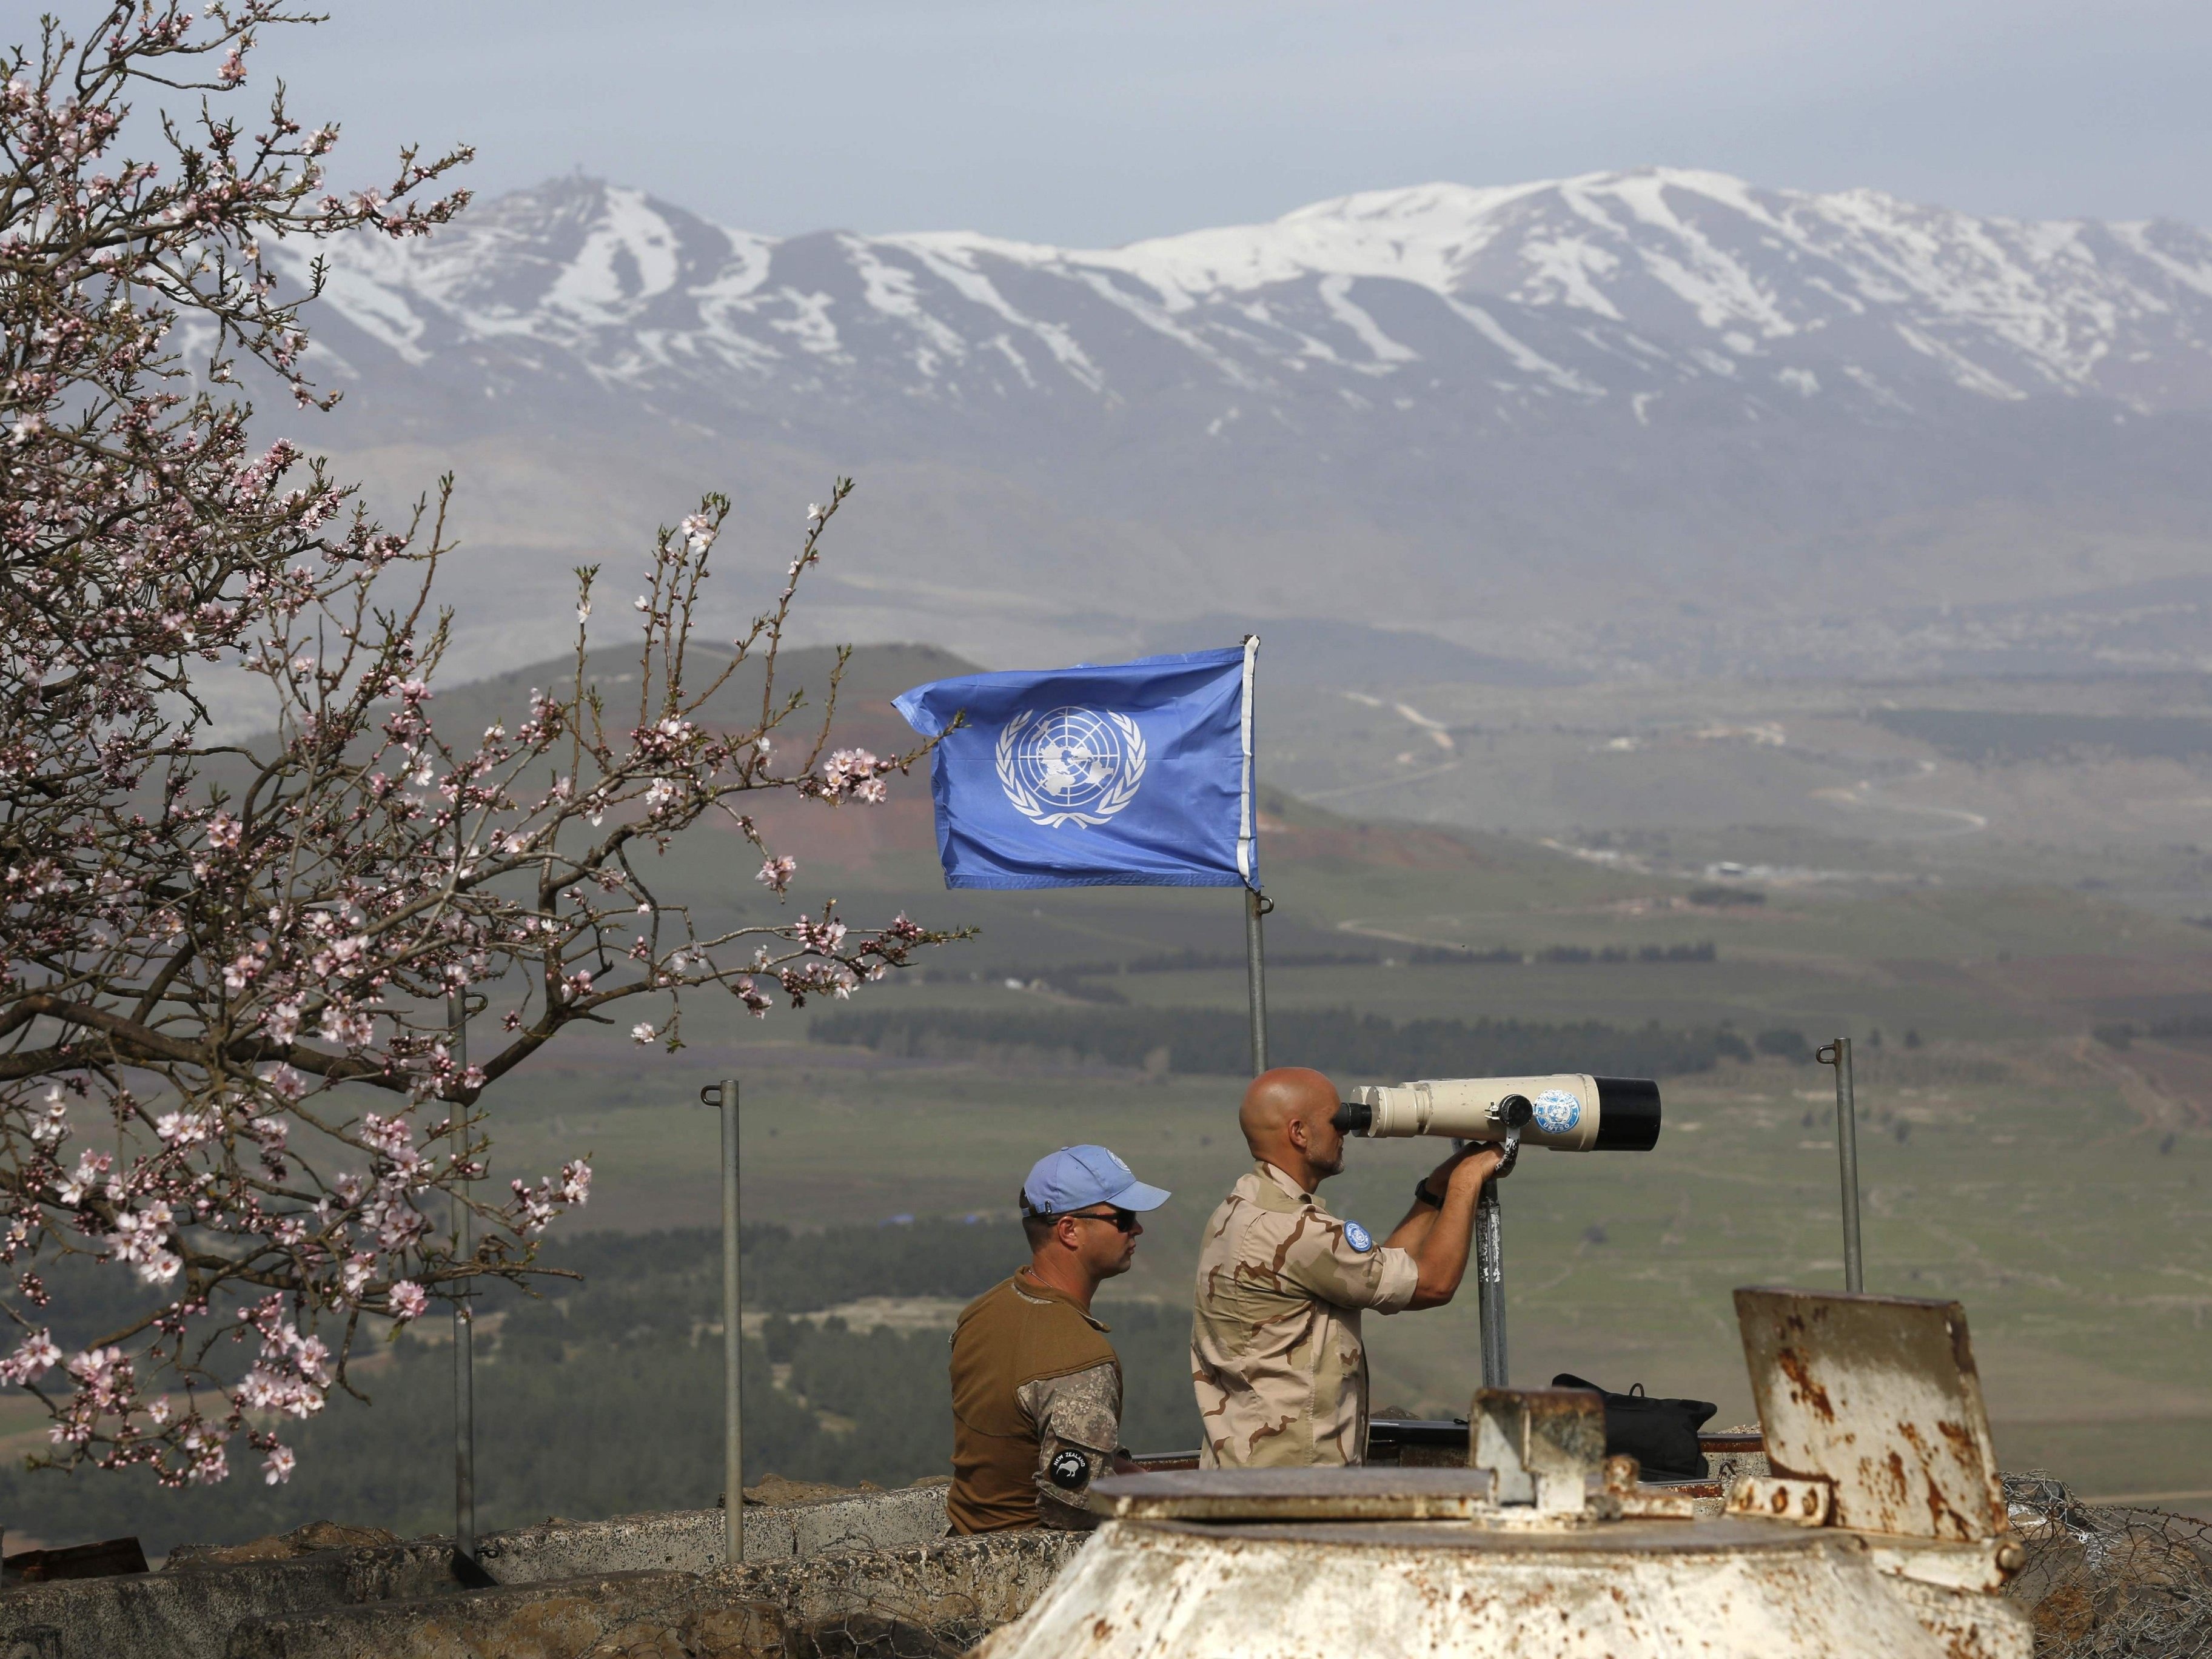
x: 2108, y: 1581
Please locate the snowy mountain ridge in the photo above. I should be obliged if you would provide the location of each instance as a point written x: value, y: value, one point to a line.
x: 1651, y: 416
x: 1622, y: 285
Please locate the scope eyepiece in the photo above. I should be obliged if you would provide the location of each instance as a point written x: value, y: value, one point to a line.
x: 1352, y: 1118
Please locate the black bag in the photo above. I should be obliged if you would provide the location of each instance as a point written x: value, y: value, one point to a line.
x: 1661, y: 1435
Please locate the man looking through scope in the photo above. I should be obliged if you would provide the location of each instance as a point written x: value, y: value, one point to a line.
x: 1276, y: 1357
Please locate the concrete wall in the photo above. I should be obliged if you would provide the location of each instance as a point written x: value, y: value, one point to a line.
x: 690, y: 1541
x: 189, y: 1612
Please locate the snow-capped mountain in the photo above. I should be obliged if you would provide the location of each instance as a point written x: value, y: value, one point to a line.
x: 1622, y: 286
x: 1414, y: 406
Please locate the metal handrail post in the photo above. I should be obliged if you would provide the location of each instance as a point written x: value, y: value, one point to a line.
x: 733, y: 1461
x: 465, y: 1325
x: 1838, y: 1055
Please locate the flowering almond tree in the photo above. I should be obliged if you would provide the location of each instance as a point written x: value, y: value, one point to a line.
x: 229, y: 968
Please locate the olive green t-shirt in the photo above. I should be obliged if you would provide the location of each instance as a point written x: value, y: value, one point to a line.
x: 1037, y: 1391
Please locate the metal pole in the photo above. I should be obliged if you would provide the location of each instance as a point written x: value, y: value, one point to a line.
x: 1490, y: 1285
x: 1256, y: 966
x: 733, y: 1463
x: 465, y: 1329
x: 1838, y: 1055
x: 1255, y: 974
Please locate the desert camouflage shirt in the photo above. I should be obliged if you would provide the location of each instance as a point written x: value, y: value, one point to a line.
x: 1276, y: 1359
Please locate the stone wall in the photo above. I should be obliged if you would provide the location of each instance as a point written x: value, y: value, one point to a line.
x: 189, y: 1610
x: 919, y: 1603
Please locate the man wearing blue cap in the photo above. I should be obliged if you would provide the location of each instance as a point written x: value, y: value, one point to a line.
x: 1036, y: 1388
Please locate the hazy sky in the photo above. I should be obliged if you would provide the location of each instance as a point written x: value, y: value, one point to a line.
x: 1079, y: 122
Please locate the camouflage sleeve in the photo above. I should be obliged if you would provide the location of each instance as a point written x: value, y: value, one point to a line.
x: 1078, y: 1421
x: 1341, y: 1263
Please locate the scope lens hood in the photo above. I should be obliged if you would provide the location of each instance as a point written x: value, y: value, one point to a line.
x: 1628, y: 1115
x: 1352, y: 1118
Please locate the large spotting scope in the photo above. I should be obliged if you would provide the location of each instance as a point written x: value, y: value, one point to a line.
x: 1568, y: 1111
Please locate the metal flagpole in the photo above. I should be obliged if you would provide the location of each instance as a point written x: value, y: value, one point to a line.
x: 1256, y: 973
x: 465, y: 1329
x: 1255, y: 905
x: 1838, y: 1055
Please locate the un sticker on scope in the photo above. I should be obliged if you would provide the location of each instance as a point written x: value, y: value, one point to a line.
x: 1359, y: 1237
x: 1556, y: 1112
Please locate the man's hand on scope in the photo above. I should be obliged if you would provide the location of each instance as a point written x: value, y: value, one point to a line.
x: 1441, y: 1225
x: 1473, y: 1164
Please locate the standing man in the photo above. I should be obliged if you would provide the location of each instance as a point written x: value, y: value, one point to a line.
x: 1276, y: 1359
x: 1036, y: 1389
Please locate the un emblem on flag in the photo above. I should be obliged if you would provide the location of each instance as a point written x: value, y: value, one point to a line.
x: 1070, y: 765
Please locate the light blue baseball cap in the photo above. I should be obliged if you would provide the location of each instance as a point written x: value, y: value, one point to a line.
x: 1076, y: 1177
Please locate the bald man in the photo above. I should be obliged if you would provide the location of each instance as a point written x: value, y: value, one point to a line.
x: 1276, y: 1359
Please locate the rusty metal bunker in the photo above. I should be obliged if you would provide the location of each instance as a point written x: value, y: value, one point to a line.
x: 1880, y: 1529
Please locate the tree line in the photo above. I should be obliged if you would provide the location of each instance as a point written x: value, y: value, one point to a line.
x: 1339, y: 1041
x: 1086, y: 980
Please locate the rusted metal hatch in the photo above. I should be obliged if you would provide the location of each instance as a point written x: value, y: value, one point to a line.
x: 1878, y: 1397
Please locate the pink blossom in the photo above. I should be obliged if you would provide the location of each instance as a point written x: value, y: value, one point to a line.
x: 390, y: 1135
x: 182, y: 1129
x: 33, y: 1357
x: 823, y: 937
x: 203, y: 1446
x: 141, y: 1237
x: 90, y: 1167
x: 52, y: 1127
x: 576, y: 1182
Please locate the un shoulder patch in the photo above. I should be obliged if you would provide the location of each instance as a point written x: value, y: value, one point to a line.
x: 1359, y: 1237
x: 1069, y: 1469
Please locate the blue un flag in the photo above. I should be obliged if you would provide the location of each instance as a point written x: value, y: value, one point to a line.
x: 1137, y: 774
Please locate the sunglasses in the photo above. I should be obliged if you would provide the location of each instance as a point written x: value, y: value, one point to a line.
x: 1125, y: 1221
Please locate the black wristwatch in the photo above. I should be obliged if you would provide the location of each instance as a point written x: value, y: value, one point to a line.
x: 1422, y: 1195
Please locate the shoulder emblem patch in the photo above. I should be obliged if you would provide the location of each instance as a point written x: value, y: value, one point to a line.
x: 1069, y: 1469
x: 1359, y: 1237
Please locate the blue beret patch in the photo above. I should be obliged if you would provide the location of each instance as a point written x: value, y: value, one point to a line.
x: 1359, y: 1237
